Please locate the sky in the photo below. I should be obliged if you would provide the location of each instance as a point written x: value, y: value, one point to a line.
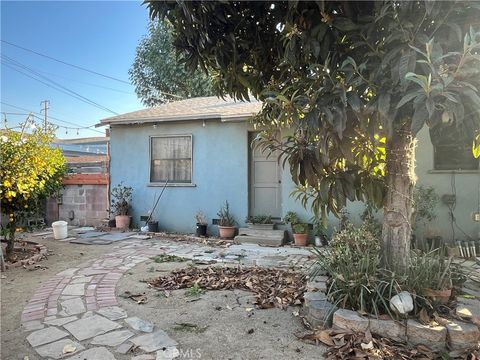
x: 97, y: 35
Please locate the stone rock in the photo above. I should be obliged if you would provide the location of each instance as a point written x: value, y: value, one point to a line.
x: 74, y: 290
x: 60, y: 321
x: 388, y: 328
x: 167, y: 354
x: 154, y: 341
x: 32, y: 325
x: 124, y: 348
x: 113, y: 312
x: 113, y: 338
x: 98, y: 353
x: 144, y: 357
x: 139, y: 324
x: 45, y: 336
x: 89, y: 327
x: 350, y: 320
x: 81, y: 279
x: 68, y: 272
x: 55, y: 350
x: 402, y: 303
x: 88, y: 314
x: 73, y: 306
x: 433, y: 336
x: 462, y: 335
x: 318, y: 310
x: 469, y: 309
x: 319, y: 283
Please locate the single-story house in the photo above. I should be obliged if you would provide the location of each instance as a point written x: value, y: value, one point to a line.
x: 202, y: 146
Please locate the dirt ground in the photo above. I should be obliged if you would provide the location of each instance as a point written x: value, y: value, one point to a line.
x: 222, y: 327
x: 19, y: 285
x: 220, y: 324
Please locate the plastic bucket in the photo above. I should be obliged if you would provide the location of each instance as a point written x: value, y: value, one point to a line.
x: 60, y: 230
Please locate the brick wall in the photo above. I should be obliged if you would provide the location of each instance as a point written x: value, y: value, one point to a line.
x: 84, y: 205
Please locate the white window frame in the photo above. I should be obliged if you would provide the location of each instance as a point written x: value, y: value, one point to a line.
x: 172, y: 183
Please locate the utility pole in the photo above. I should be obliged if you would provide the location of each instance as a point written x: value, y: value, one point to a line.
x: 45, y: 104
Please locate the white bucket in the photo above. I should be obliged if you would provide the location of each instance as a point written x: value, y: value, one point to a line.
x: 59, y: 230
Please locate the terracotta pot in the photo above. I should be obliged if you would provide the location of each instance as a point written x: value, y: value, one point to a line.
x: 226, y: 232
x: 441, y: 296
x: 300, y: 239
x: 122, y: 221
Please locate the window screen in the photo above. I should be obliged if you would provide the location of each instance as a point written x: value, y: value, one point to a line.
x: 171, y: 158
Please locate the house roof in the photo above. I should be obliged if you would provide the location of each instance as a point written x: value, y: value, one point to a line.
x: 200, y: 108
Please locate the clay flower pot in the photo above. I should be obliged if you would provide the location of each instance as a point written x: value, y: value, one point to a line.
x: 122, y: 221
x: 300, y: 239
x: 226, y: 232
x: 441, y: 296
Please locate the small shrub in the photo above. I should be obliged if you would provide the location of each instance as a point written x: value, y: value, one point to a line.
x: 200, y: 218
x: 167, y: 258
x: 259, y: 219
x: 195, y: 290
x: 226, y: 218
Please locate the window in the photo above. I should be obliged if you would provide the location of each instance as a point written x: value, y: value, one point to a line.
x: 451, y: 150
x: 171, y: 158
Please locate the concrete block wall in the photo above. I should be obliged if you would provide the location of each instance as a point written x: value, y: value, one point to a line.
x: 87, y: 203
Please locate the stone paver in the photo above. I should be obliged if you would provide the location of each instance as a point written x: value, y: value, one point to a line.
x: 55, y: 350
x: 154, y: 341
x: 82, y: 299
x: 44, y: 336
x: 91, y: 326
x: 98, y: 353
x: 139, y: 324
x: 113, y: 338
x: 113, y: 312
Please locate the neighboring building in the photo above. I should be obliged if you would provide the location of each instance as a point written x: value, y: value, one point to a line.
x: 84, y: 200
x: 202, y: 146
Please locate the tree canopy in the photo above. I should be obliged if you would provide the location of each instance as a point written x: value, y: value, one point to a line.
x: 354, y: 81
x: 30, y: 170
x: 157, y: 73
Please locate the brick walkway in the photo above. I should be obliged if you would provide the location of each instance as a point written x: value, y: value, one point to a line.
x: 71, y: 297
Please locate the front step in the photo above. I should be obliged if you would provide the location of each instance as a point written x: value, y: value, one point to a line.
x: 261, y: 237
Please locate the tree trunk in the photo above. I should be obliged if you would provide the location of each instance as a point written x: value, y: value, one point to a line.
x: 11, y: 227
x: 400, y: 179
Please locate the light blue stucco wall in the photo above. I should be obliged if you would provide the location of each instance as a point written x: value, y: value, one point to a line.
x: 220, y: 154
x: 467, y: 193
x: 220, y: 172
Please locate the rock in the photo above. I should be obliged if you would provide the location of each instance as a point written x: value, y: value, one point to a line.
x: 98, y: 353
x: 468, y: 309
x: 81, y: 279
x: 350, y: 320
x: 45, y: 336
x: 124, y: 348
x: 167, y: 354
x: 388, y: 328
x: 73, y: 306
x: 462, y: 335
x: 318, y: 310
x: 55, y: 350
x: 154, y: 341
x: 433, y: 336
x: 32, y: 325
x: 113, y: 312
x: 139, y: 324
x: 319, y: 283
x: 91, y: 326
x: 113, y: 338
x: 402, y: 303
x: 144, y: 357
x: 74, y: 289
x: 60, y: 321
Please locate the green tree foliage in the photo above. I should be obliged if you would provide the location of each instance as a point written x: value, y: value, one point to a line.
x: 30, y: 171
x: 157, y: 73
x: 354, y: 81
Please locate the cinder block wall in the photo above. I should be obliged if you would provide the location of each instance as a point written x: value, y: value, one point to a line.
x: 87, y: 204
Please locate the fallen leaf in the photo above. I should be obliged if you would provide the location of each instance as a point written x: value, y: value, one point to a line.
x: 367, y: 346
x: 69, y: 348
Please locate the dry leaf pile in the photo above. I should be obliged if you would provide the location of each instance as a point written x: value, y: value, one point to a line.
x: 272, y: 287
x: 345, y: 344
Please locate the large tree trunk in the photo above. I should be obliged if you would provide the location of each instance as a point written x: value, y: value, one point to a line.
x: 400, y: 178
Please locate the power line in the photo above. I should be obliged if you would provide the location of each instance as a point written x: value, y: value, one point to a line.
x: 66, y: 63
x: 76, y: 126
x: 55, y: 86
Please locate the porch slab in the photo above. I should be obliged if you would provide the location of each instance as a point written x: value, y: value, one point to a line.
x: 261, y: 237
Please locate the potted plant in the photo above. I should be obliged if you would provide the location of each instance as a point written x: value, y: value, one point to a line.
x: 260, y: 222
x: 226, y: 222
x: 121, y: 198
x: 319, y: 232
x: 299, y: 229
x: 201, y: 220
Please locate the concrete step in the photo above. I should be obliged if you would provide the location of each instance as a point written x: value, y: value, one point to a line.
x: 261, y: 237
